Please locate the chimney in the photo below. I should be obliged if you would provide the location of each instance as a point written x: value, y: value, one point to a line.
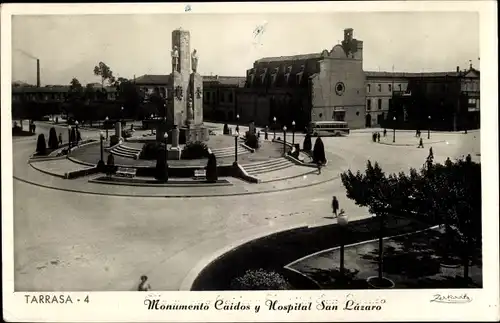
x: 37, y: 73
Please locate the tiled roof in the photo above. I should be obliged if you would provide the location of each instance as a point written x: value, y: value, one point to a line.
x: 152, y: 79
x: 164, y: 79
x: 289, y: 58
x: 34, y: 89
x: 410, y: 75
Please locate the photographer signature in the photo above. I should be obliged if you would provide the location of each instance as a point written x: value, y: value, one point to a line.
x: 451, y: 299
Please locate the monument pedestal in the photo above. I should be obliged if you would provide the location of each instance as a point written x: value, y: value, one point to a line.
x: 174, y: 153
x: 195, y: 133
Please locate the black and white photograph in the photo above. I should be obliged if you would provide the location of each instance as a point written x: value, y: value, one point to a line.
x: 315, y: 153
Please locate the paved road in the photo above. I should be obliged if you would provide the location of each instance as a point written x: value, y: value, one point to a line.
x: 67, y: 241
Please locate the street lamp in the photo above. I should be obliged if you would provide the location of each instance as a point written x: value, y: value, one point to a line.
x: 236, y: 135
x: 76, y: 132
x: 151, y: 124
x: 274, y: 119
x: 106, y: 122
x: 293, y: 132
x: 165, y: 136
x: 429, y: 128
x: 342, y: 221
x: 102, y: 147
x: 69, y: 137
x: 237, y: 123
x: 394, y: 130
x: 284, y: 140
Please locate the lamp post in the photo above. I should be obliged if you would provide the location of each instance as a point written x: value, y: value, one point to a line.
x: 102, y: 147
x: 284, y: 140
x: 106, y: 123
x: 274, y: 120
x: 293, y: 132
x: 151, y: 124
x: 165, y: 136
x: 342, y: 221
x: 69, y: 137
x: 237, y: 123
x: 236, y: 135
x: 394, y: 130
x: 429, y: 128
x: 76, y: 132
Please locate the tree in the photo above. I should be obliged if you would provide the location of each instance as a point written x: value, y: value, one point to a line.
x: 319, y: 151
x: 41, y: 147
x: 161, y: 170
x: 307, y: 145
x: 374, y: 190
x: 105, y: 73
x: 53, y: 142
x: 211, y: 169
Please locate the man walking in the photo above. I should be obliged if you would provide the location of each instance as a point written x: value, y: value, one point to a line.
x: 60, y: 139
x: 421, y: 143
x: 335, y: 205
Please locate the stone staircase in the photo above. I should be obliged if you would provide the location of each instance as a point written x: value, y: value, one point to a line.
x: 267, y: 166
x: 126, y: 152
x: 229, y: 151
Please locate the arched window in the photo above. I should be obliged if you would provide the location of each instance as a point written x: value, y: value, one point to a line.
x: 368, y: 88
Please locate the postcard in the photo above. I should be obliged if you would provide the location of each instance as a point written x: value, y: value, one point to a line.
x: 225, y: 162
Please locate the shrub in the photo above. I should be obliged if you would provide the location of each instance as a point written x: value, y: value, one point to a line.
x: 151, y: 150
x: 161, y: 170
x: 307, y: 145
x: 195, y: 150
x: 72, y: 135
x: 260, y: 279
x: 110, y: 165
x: 100, y: 165
x: 319, y: 151
x: 41, y: 147
x: 251, y: 140
x: 212, y: 169
x: 113, y: 140
x: 53, y: 143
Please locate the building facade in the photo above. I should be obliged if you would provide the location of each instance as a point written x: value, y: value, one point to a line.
x: 439, y: 100
x: 329, y: 85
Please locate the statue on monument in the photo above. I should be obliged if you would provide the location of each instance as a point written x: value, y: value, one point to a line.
x: 190, y: 112
x: 175, y: 59
x: 194, y: 61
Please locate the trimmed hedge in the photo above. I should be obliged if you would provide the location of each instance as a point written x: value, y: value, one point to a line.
x: 151, y: 150
x: 195, y: 150
x: 83, y: 172
x: 41, y: 147
x: 260, y: 279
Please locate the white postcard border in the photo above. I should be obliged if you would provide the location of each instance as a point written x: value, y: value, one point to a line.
x: 398, y: 305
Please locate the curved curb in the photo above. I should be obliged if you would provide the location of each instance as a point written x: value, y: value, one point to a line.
x: 193, y: 274
x: 173, y: 195
x: 47, y: 172
x: 411, y: 145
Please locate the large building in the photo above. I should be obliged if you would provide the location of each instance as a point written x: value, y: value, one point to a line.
x: 439, y: 100
x: 329, y: 85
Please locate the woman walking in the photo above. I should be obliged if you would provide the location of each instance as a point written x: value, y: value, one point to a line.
x: 335, y: 205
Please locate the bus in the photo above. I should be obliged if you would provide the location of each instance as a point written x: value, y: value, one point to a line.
x: 328, y: 128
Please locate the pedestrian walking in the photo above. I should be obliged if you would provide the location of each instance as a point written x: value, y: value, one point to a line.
x: 60, y: 139
x: 34, y: 127
x: 335, y: 205
x: 378, y: 136
x: 421, y: 143
x: 258, y: 134
x: 144, y: 286
x: 385, y: 132
x: 266, y: 134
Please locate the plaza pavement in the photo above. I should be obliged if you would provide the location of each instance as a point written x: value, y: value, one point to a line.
x: 67, y: 241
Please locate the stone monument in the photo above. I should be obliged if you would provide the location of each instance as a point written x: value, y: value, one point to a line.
x: 185, y: 91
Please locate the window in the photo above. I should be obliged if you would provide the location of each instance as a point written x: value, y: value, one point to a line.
x: 368, y: 88
x: 339, y: 115
x: 230, y: 97
x: 222, y: 97
x: 390, y: 103
x: 390, y: 87
x: 472, y: 101
x: 379, y: 104
x: 399, y: 86
x: 380, y: 87
x: 368, y: 105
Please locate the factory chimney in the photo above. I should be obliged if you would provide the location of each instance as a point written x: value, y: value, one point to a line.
x: 37, y: 73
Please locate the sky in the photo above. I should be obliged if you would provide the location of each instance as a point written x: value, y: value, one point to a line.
x: 71, y: 45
